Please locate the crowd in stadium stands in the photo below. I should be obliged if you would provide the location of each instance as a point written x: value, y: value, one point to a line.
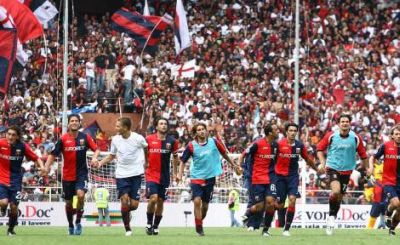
x: 349, y: 62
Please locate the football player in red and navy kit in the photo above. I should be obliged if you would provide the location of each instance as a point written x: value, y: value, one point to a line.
x: 160, y: 147
x: 12, y: 152
x: 262, y: 189
x: 73, y: 145
x: 288, y: 153
x: 391, y: 176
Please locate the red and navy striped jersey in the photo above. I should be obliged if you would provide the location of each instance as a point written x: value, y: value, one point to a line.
x: 288, y: 155
x: 261, y: 161
x: 159, y: 156
x: 11, y: 157
x: 74, y: 153
x: 391, y: 163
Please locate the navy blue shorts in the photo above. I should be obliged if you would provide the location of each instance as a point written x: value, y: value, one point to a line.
x: 286, y: 186
x: 391, y: 191
x: 377, y: 209
x: 204, y: 190
x: 130, y: 186
x: 71, y: 187
x: 258, y: 192
x: 13, y: 195
x: 155, y: 188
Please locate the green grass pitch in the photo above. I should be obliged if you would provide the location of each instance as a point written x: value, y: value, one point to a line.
x: 187, y: 236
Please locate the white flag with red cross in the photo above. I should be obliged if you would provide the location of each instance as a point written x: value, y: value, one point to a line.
x: 186, y: 69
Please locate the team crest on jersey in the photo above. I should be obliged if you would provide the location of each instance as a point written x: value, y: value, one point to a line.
x: 297, y: 150
x: 168, y: 146
x: 82, y: 142
x: 18, y: 152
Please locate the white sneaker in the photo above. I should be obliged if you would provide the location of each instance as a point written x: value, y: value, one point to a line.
x: 286, y: 233
x: 330, y: 224
x: 128, y: 233
x: 251, y: 228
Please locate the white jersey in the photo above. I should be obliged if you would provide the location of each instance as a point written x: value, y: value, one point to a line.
x: 130, y: 155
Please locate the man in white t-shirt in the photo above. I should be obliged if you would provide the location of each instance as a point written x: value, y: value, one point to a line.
x: 128, y: 74
x: 90, y: 75
x: 130, y: 150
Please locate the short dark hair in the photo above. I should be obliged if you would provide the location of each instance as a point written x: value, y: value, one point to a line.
x: 74, y: 115
x: 291, y: 124
x: 348, y: 116
x: 160, y: 119
x: 268, y: 129
x: 17, y: 129
x: 125, y: 122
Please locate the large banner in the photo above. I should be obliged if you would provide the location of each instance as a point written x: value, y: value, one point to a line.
x: 181, y: 215
x: 314, y: 216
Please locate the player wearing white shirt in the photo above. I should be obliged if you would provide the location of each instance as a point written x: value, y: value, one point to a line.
x: 130, y: 150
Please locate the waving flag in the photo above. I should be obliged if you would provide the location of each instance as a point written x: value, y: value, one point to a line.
x: 6, y: 21
x: 185, y: 70
x: 182, y: 37
x: 145, y: 30
x: 92, y: 129
x: 28, y: 26
x: 43, y: 9
x: 8, y: 48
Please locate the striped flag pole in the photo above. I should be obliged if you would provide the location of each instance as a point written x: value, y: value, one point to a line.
x: 148, y: 38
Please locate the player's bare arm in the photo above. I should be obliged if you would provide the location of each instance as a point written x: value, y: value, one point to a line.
x: 106, y: 160
x: 322, y: 161
x: 237, y: 168
x: 310, y: 162
x: 146, y: 159
x: 175, y: 164
x: 180, y: 173
x: 371, y: 165
x: 49, y: 162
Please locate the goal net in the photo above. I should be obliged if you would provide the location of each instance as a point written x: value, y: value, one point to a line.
x: 105, y: 177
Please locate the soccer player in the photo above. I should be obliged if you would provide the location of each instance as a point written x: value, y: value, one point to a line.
x: 288, y: 153
x: 253, y: 222
x: 73, y: 145
x: 391, y: 177
x: 12, y: 152
x: 160, y: 147
x: 205, y: 166
x: 130, y: 149
x: 263, y: 190
x: 378, y: 204
x: 341, y: 146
